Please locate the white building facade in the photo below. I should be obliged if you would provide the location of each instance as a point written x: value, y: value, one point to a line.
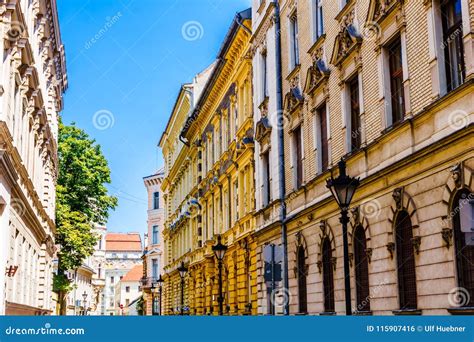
x: 33, y: 79
x: 123, y: 252
x: 153, y: 256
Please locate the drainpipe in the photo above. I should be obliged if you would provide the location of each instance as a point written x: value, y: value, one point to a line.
x: 281, y: 152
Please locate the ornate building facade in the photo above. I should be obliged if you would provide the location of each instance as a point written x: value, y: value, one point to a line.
x: 33, y: 79
x: 387, y: 86
x: 153, y: 253
x: 210, y: 188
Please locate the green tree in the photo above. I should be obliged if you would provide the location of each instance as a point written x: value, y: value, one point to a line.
x: 82, y: 200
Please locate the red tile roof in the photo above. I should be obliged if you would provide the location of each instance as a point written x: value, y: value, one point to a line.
x: 135, y: 274
x: 129, y: 242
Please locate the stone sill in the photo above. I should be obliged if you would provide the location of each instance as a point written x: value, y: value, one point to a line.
x: 468, y: 310
x: 407, y: 312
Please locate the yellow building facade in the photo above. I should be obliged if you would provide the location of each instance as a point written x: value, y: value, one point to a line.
x: 209, y: 185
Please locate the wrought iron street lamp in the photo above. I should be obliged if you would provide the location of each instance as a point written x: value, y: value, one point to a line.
x: 182, y: 273
x: 84, y: 295
x: 343, y: 188
x: 160, y: 282
x: 219, y: 250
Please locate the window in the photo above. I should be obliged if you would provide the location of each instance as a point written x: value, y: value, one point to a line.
x: 322, y: 136
x: 266, y: 178
x: 127, y: 302
x: 127, y: 289
x: 236, y: 196
x: 463, y: 208
x: 451, y: 18
x: 155, y: 235
x: 264, y: 79
x: 405, y: 261
x: 154, y: 268
x: 302, y: 290
x: 156, y: 200
x: 112, y: 280
x: 294, y: 45
x: 298, y: 155
x: 318, y: 19
x: 353, y: 85
x: 396, y: 80
x: 361, y: 270
x: 328, y: 279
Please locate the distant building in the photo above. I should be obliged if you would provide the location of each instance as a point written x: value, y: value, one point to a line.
x: 78, y: 299
x: 89, y: 279
x: 123, y: 251
x: 128, y: 291
x: 153, y: 255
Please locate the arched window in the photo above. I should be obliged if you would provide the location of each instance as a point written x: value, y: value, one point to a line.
x: 464, y: 243
x: 405, y: 261
x: 361, y: 270
x: 302, y: 291
x: 328, y: 278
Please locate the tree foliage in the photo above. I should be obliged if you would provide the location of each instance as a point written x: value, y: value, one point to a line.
x: 82, y: 199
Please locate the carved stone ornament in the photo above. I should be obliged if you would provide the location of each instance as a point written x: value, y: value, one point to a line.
x: 322, y: 226
x: 263, y: 129
x: 294, y: 98
x: 391, y: 249
x: 397, y: 197
x: 416, y: 241
x: 347, y: 39
x: 380, y: 8
x: 368, y: 253
x: 447, y: 234
x: 320, y: 266
x: 456, y: 173
x: 356, y: 214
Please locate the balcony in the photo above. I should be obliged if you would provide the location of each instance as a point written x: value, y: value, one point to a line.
x: 146, y: 282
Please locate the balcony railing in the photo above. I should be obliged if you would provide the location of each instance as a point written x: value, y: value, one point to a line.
x: 146, y: 282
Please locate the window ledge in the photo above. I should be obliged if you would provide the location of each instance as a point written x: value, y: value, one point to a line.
x: 467, y: 310
x: 362, y: 313
x: 301, y: 314
x: 344, y: 10
x: 407, y: 312
x: 330, y: 313
x: 293, y: 72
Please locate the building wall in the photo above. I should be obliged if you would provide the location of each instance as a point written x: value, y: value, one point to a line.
x: 418, y: 155
x: 122, y: 297
x: 75, y: 299
x: 33, y: 79
x: 154, y: 251
x: 213, y: 180
x: 117, y: 265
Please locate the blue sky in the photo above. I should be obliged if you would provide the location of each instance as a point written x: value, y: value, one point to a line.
x: 126, y: 60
